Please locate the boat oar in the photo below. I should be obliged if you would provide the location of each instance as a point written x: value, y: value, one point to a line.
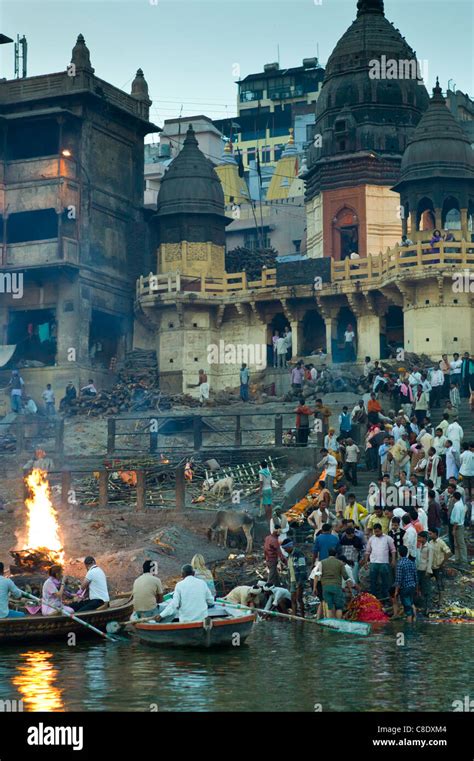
x: 73, y: 617
x: 332, y: 623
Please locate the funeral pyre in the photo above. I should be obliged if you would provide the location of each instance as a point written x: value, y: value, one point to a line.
x: 43, y: 546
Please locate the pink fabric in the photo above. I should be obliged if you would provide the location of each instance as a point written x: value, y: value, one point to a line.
x: 50, y: 603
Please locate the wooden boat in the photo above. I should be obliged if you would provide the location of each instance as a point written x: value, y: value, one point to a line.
x: 223, y: 627
x: 44, y: 628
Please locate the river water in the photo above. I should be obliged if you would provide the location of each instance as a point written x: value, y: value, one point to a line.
x: 283, y: 667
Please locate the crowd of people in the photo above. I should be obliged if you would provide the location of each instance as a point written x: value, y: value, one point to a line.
x: 423, y: 489
x: 22, y: 403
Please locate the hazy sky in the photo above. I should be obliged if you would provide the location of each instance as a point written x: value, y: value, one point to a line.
x: 189, y: 49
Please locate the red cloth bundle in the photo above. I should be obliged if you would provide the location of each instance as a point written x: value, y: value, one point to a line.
x: 365, y: 607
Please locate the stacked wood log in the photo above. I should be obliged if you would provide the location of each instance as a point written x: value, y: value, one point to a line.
x: 36, y: 560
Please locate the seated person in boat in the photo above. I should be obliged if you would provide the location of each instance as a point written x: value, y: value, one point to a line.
x: 95, y: 584
x: 244, y: 595
x: 53, y: 592
x: 147, y: 591
x: 7, y: 588
x: 191, y: 599
x: 202, y: 572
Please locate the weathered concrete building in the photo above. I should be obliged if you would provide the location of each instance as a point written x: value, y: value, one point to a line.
x: 73, y: 226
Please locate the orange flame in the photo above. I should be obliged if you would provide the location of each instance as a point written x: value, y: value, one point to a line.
x: 43, y: 527
x: 164, y: 460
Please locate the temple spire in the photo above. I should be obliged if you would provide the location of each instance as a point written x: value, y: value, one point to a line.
x: 80, y: 55
x: 437, y: 92
x: 369, y: 6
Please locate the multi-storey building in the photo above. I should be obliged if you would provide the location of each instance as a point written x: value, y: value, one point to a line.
x: 390, y: 161
x: 72, y: 224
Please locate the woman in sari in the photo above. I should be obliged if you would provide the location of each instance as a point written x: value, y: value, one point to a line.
x: 53, y: 592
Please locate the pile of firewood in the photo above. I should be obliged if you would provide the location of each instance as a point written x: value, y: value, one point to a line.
x: 38, y: 560
x: 136, y: 389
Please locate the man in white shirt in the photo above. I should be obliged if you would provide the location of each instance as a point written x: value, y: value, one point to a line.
x: 398, y: 429
x: 455, y: 433
x: 414, y: 379
x: 437, y: 382
x: 410, y: 537
x: 368, y: 366
x: 289, y: 343
x: 191, y: 599
x: 352, y: 458
x: 49, y: 400
x: 281, y: 347
x: 452, y: 460
x: 467, y: 469
x: 439, y: 441
x: 329, y: 463
x: 458, y: 514
x: 455, y: 369
x: 95, y: 583
x: 380, y: 552
x: 279, y: 599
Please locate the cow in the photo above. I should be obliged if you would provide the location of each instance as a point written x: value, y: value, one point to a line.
x: 229, y: 519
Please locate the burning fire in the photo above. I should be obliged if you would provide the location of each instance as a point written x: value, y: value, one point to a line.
x: 43, y: 527
x: 164, y: 460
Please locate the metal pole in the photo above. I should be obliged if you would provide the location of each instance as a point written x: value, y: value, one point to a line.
x: 141, y: 491
x: 103, y: 489
x: 180, y: 488
x: 65, y: 487
x: 110, y: 435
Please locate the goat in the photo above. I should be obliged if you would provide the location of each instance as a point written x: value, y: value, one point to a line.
x: 228, y: 519
x: 224, y: 484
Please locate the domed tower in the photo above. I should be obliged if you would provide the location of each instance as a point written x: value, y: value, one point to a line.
x: 436, y: 183
x: 190, y: 215
x: 371, y: 100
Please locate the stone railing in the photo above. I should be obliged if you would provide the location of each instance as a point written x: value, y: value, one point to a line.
x: 175, y: 282
x: 406, y: 261
x: 399, y: 262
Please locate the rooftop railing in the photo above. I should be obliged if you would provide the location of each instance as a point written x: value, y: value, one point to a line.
x: 408, y: 262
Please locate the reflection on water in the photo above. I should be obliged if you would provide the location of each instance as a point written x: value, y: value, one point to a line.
x: 36, y: 679
x: 284, y: 667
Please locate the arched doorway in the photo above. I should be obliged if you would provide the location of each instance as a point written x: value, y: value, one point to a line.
x: 314, y: 332
x: 345, y: 234
x: 345, y: 317
x: 451, y: 215
x: 425, y: 215
x: 394, y: 336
